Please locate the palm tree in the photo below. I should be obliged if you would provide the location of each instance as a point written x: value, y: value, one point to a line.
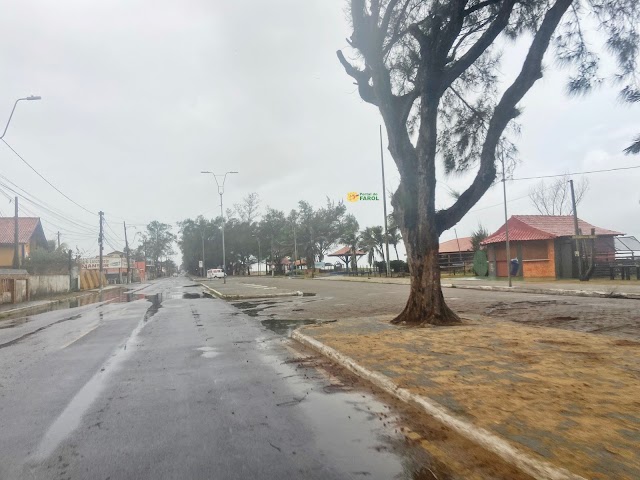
x: 372, y: 241
x: 350, y: 237
x: 395, y: 237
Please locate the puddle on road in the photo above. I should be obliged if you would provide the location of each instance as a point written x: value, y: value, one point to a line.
x: 286, y: 327
x: 156, y: 304
x: 120, y: 295
x: 190, y: 295
x: 363, y: 435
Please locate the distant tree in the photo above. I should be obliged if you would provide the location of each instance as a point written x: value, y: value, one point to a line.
x: 319, y: 229
x: 555, y: 198
x: 372, y: 241
x: 350, y: 237
x: 275, y: 235
x: 159, y: 240
x: 395, y: 237
x: 432, y: 69
x: 477, y: 236
x: 249, y: 209
x: 194, y: 233
x: 42, y: 261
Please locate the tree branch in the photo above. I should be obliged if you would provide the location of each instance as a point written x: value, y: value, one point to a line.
x: 480, y: 6
x: 361, y: 77
x: 504, y: 112
x: 477, y: 49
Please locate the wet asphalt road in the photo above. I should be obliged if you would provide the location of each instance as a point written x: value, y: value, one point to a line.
x: 335, y: 300
x: 166, y: 387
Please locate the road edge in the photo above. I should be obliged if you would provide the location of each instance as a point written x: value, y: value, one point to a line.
x: 26, y: 308
x: 485, y: 439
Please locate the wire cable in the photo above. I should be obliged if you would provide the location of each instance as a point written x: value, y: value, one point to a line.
x: 48, y: 182
x: 588, y: 172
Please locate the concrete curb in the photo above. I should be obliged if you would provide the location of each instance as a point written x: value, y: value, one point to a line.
x: 487, y: 440
x: 247, y: 297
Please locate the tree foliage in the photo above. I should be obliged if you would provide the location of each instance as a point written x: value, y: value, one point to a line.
x: 44, y: 261
x: 477, y: 236
x: 555, y: 198
x: 158, y: 241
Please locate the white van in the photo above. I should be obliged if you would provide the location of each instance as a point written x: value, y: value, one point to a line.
x: 215, y: 273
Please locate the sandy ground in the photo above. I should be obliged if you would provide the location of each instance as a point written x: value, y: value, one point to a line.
x: 568, y: 397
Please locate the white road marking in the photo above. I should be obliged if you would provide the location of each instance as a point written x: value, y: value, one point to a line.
x: 263, y: 287
x: 78, y: 338
x: 71, y: 416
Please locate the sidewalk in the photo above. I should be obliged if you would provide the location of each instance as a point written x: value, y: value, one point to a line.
x: 541, y: 398
x: 33, y: 306
x: 601, y: 288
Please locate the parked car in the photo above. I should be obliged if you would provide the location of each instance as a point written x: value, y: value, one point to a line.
x: 216, y: 273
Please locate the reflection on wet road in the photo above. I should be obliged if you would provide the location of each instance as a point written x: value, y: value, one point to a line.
x: 167, y: 383
x: 170, y: 383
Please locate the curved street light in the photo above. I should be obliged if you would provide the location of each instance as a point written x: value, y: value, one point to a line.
x: 221, y: 192
x: 30, y: 97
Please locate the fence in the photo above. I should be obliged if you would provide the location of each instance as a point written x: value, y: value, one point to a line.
x: 44, y: 285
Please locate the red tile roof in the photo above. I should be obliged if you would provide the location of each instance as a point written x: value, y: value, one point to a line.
x: 27, y: 226
x: 344, y: 251
x: 543, y: 227
x: 451, y: 246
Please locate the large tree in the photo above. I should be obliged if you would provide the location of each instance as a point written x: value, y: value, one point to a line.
x: 159, y: 240
x: 432, y: 68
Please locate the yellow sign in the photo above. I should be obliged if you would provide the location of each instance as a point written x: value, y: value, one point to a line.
x: 355, y: 196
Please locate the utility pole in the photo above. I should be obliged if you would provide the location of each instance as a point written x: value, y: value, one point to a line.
x: 16, y: 244
x: 71, y: 286
x: 506, y: 220
x: 384, y: 201
x: 58, y: 240
x: 577, y: 230
x: 295, y: 248
x: 100, y: 239
x: 126, y: 246
x: 203, y: 272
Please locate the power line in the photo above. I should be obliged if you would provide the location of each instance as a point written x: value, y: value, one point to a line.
x: 113, y: 231
x: 578, y: 173
x: 41, y: 202
x: 43, y: 178
x: 61, y: 217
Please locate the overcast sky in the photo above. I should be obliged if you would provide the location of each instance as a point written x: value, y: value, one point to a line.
x: 140, y: 96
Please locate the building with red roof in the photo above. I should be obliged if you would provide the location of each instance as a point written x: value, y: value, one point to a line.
x: 456, y: 255
x: 30, y: 236
x: 545, y: 246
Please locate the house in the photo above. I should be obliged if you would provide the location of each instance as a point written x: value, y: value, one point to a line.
x: 456, y: 254
x: 544, y: 246
x: 30, y: 237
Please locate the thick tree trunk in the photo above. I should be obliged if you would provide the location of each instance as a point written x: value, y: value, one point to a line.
x: 426, y: 305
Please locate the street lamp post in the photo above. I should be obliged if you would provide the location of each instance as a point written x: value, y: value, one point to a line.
x: 30, y: 97
x: 259, y: 253
x: 221, y: 192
